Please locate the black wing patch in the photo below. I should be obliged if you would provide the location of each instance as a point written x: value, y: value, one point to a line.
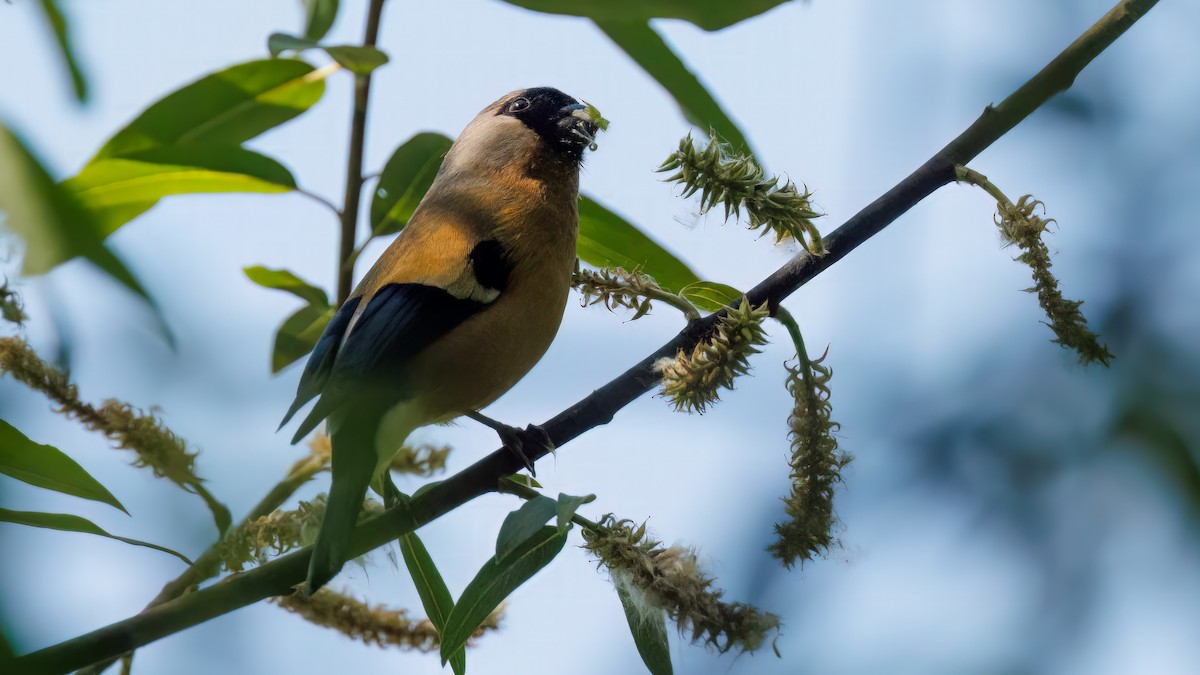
x: 320, y: 362
x: 489, y: 265
x: 368, y: 368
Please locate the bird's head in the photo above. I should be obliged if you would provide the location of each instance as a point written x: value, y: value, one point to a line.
x: 560, y: 121
x: 528, y: 126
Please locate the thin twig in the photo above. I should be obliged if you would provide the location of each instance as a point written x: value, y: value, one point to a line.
x: 280, y: 576
x: 320, y: 199
x: 354, y: 163
x: 677, y: 301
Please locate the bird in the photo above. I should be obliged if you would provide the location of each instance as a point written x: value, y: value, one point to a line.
x: 456, y: 310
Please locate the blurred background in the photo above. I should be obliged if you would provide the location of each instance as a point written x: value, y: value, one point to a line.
x: 1007, y: 510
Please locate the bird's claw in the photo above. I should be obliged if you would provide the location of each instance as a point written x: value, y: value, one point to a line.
x: 516, y: 440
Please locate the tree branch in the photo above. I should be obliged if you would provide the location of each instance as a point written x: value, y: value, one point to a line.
x: 279, y: 576
x: 354, y: 164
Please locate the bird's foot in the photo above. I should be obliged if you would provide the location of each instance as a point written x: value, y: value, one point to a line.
x: 517, y: 440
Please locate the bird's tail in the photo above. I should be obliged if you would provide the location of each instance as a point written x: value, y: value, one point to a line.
x: 354, y: 462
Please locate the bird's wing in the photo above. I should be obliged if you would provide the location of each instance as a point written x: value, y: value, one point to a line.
x: 320, y: 361
x: 419, y: 291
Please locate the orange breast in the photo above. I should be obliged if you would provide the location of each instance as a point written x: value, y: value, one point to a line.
x: 484, y: 357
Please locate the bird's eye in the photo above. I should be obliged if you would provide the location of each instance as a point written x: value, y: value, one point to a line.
x: 518, y: 105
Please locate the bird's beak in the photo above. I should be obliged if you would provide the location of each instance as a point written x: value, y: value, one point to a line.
x: 580, y: 125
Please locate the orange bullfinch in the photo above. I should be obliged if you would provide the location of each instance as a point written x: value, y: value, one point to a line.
x: 457, y: 310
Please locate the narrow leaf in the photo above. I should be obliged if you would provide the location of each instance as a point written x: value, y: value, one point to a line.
x: 567, y: 506
x: 298, y: 334
x: 435, y: 597
x: 68, y: 523
x: 358, y: 59
x: 652, y: 53
x: 62, y: 36
x: 707, y: 14
x: 494, y: 582
x: 110, y: 219
x: 405, y: 179
x: 48, y: 467
x: 711, y: 296
x: 522, y: 524
x: 51, y: 221
x: 319, y: 17
x: 608, y: 240
x: 228, y: 107
x: 278, y: 43
x: 649, y: 630
x: 285, y: 280
x: 121, y: 188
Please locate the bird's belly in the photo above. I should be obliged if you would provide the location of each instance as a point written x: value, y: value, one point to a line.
x: 485, y: 356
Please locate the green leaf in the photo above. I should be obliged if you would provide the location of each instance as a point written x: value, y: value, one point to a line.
x: 649, y: 630
x: 298, y: 334
x: 109, y: 220
x: 62, y: 36
x: 69, y: 523
x: 607, y: 240
x: 121, y: 188
x: 278, y: 43
x: 567, y: 506
x: 285, y: 280
x: 52, y: 222
x: 358, y: 59
x: 707, y: 14
x: 652, y: 53
x: 319, y: 17
x: 405, y: 179
x: 48, y: 467
x: 494, y: 582
x: 228, y: 107
x: 522, y: 524
x: 711, y: 296
x: 435, y: 597
x: 188, y: 141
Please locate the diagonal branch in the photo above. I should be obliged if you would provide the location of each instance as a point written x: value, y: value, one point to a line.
x: 281, y: 575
